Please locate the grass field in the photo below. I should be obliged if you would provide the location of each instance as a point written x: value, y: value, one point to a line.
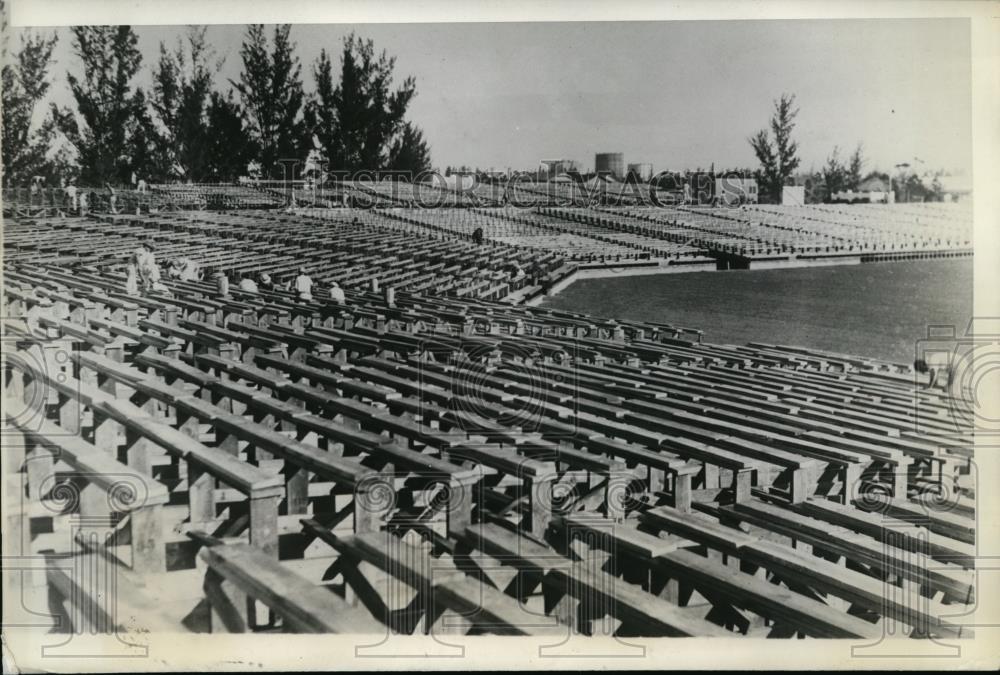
x: 878, y: 310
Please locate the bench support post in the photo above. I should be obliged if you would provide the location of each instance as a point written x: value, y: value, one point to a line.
x: 146, y: 526
x: 540, y: 497
x: 264, y: 524
x: 683, y: 491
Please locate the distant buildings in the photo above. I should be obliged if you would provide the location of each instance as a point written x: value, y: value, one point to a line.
x: 611, y: 163
x: 556, y: 167
x: 735, y: 190
x: 643, y: 172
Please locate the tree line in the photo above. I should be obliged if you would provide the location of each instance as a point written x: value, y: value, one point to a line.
x: 190, y: 126
x: 777, y: 153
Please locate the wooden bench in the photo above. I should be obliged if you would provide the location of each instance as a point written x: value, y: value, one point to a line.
x: 110, y: 486
x: 205, y: 464
x: 301, y: 456
x: 303, y: 606
x: 439, y: 585
x: 647, y: 614
x: 956, y: 585
x: 805, y: 570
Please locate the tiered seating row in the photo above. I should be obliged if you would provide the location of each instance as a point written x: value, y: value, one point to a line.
x: 580, y: 468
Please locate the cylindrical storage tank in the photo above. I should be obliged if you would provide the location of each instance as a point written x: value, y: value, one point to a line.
x: 611, y: 163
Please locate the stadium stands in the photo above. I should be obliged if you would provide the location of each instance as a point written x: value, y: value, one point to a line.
x: 510, y: 469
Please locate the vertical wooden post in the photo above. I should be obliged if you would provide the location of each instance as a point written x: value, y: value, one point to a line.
x: 264, y: 523
x: 40, y: 468
x: 296, y: 489
x: 146, y: 528
x: 374, y: 499
x: 682, y: 491
x: 459, y: 507
x: 540, y: 497
x: 656, y: 479
x: 800, y: 484
x: 201, y: 493
x: 69, y: 414
x: 229, y: 606
x: 742, y: 484
x: 852, y: 483
x: 900, y: 480
x: 711, y: 476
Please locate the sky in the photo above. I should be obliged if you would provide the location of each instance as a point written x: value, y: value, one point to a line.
x: 677, y: 94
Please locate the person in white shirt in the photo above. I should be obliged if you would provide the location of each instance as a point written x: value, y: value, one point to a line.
x: 303, y: 285
x: 249, y: 285
x: 189, y: 270
x: 132, y: 280
x: 337, y: 293
x: 149, y: 273
x: 174, y: 269
x: 71, y: 194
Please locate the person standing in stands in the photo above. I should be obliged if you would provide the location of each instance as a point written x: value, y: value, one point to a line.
x: 139, y: 257
x: 71, y: 194
x: 132, y: 280
x: 221, y: 284
x: 303, y: 285
x: 477, y: 236
x: 149, y: 271
x: 337, y: 293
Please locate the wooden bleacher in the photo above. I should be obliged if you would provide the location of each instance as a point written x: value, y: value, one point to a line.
x: 509, y: 469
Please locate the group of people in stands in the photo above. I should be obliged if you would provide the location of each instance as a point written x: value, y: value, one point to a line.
x: 143, y: 276
x: 82, y: 201
x: 302, y: 285
x: 143, y: 272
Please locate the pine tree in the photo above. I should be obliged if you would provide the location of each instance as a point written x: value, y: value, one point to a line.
x: 834, y: 175
x: 144, y: 158
x: 271, y: 90
x: 854, y: 169
x: 182, y: 84
x: 778, y: 157
x: 107, y: 126
x: 358, y: 120
x: 410, y: 152
x: 228, y: 148
x: 25, y: 83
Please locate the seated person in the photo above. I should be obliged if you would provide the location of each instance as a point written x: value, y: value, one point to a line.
x: 303, y: 285
x: 337, y: 293
x: 265, y: 283
x: 175, y: 269
x: 189, y: 270
x: 247, y: 284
